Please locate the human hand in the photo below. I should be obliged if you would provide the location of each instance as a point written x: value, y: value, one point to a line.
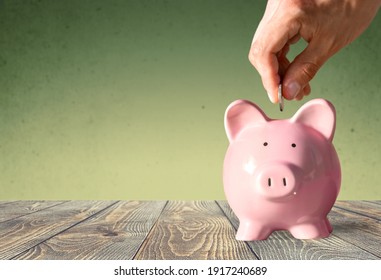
x: 326, y: 25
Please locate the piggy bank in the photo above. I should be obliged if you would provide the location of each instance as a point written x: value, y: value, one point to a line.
x: 281, y: 174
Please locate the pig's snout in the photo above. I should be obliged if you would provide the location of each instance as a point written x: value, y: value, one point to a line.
x: 277, y: 180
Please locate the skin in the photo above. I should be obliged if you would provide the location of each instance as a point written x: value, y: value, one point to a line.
x: 326, y: 25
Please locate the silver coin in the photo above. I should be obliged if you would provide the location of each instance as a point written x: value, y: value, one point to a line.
x: 280, y: 98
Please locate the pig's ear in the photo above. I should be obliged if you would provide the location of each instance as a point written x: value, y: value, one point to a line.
x: 241, y: 114
x: 318, y: 114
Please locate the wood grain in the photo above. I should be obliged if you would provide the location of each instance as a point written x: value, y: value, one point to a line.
x: 281, y: 245
x: 20, y: 208
x: 20, y: 234
x: 116, y: 233
x: 2, y: 202
x: 359, y: 230
x: 368, y: 209
x: 193, y: 230
x: 374, y: 201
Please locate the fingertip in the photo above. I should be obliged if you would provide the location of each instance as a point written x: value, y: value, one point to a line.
x: 273, y: 97
x: 271, y: 84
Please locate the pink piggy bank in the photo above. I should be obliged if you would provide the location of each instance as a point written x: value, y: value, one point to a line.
x: 281, y: 174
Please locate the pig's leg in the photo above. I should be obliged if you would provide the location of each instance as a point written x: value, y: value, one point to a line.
x: 311, y: 230
x: 249, y: 230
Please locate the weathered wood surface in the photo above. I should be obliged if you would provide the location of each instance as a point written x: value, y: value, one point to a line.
x: 373, y: 201
x: 115, y: 233
x: 172, y: 230
x: 193, y: 230
x: 22, y: 233
x: 15, y: 209
x: 367, y: 208
x: 361, y: 231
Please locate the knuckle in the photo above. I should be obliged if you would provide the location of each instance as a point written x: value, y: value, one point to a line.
x: 309, y: 70
x: 300, y: 10
x: 302, y: 5
x: 256, y: 51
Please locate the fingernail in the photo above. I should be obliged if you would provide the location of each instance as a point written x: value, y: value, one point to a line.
x: 293, y: 89
x: 271, y: 97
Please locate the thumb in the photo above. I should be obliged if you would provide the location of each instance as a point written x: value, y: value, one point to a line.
x: 301, y: 71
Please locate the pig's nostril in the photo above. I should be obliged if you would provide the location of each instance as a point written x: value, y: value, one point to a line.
x: 269, y: 182
x: 284, y: 182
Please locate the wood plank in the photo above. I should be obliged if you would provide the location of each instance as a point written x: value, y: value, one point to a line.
x: 193, y: 230
x: 281, y: 245
x: 362, y: 231
x: 20, y: 234
x: 374, y: 201
x: 2, y: 202
x: 20, y: 208
x: 368, y: 209
x: 116, y: 234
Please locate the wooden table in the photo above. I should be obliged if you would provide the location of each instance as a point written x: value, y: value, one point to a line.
x: 172, y: 230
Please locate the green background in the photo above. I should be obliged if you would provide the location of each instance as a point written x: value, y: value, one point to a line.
x: 125, y: 99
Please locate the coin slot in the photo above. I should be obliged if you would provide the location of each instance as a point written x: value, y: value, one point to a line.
x: 269, y: 182
x: 284, y: 182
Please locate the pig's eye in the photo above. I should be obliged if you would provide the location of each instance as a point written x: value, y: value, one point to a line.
x: 265, y: 144
x: 293, y: 145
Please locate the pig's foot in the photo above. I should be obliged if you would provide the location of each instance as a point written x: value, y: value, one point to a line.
x: 311, y: 230
x: 249, y: 230
x: 330, y: 229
